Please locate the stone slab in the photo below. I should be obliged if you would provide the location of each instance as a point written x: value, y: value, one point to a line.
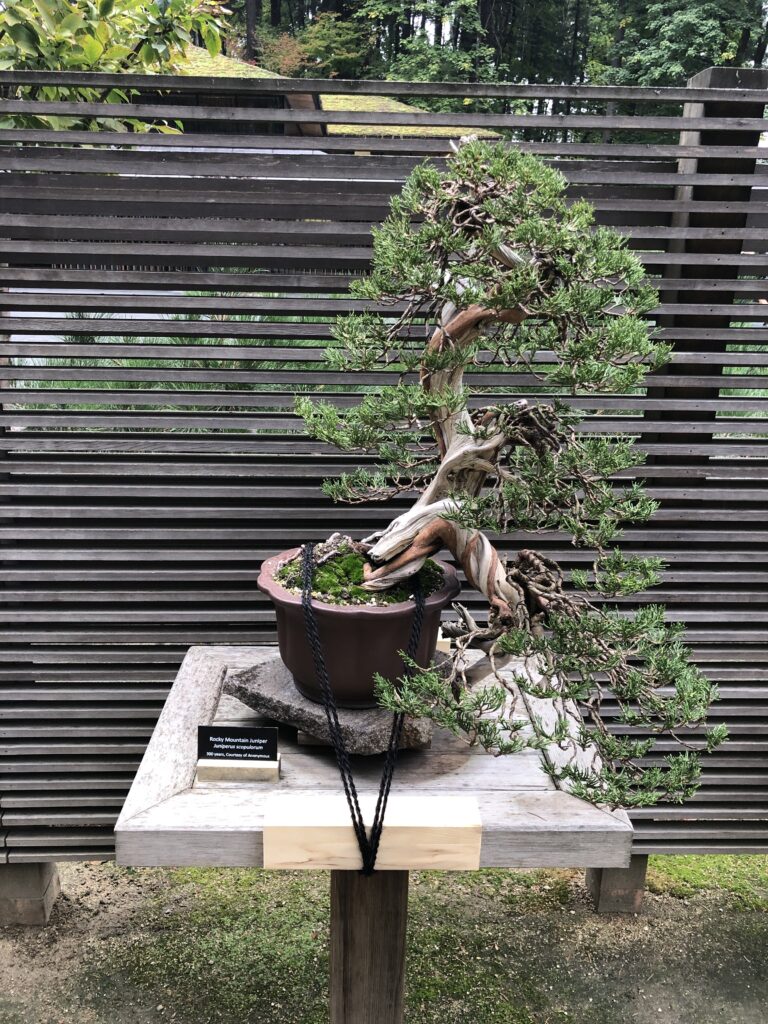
x: 267, y: 687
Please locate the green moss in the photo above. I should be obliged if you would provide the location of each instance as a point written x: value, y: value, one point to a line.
x: 242, y: 944
x: 199, y: 62
x: 339, y: 581
x: 486, y: 947
x: 743, y: 878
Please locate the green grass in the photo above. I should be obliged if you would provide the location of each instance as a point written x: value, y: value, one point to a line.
x: 384, y: 104
x: 742, y: 880
x: 245, y: 945
x: 134, y: 389
x: 486, y: 947
x: 752, y: 371
x: 253, y: 945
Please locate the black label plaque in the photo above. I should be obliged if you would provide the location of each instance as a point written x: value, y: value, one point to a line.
x: 239, y: 743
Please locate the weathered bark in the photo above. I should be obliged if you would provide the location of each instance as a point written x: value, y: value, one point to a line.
x: 420, y: 533
x: 253, y: 10
x: 466, y: 461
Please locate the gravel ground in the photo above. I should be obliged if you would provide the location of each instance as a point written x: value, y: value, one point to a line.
x: 202, y: 947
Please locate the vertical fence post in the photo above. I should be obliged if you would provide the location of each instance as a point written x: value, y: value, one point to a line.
x: 5, y: 477
x: 704, y: 267
x: 27, y: 891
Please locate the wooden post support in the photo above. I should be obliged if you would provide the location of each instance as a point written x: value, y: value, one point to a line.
x: 619, y: 890
x: 368, y: 922
x: 27, y: 893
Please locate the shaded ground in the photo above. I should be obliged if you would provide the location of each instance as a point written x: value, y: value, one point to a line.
x: 132, y: 946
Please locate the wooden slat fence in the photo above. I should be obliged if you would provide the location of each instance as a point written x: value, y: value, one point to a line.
x: 165, y: 297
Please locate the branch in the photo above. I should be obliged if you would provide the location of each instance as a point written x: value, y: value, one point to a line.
x: 458, y: 331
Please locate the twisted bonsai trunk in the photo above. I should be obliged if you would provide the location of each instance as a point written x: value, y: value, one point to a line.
x: 466, y: 459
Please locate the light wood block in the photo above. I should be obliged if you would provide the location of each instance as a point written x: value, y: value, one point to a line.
x: 314, y: 831
x: 443, y: 643
x: 210, y: 769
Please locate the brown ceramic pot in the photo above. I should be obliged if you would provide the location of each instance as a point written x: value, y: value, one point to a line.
x: 357, y: 641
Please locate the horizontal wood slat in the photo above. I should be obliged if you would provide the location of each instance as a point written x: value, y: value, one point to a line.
x: 732, y: 93
x: 415, y: 118
x: 57, y: 278
x: 412, y: 146
x: 149, y: 464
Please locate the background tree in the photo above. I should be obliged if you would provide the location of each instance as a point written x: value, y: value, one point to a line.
x: 546, y: 41
x: 110, y: 36
x: 665, y: 43
x: 254, y: 12
x: 491, y: 255
x: 333, y: 47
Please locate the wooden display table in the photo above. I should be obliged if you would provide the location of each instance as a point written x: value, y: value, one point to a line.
x: 451, y: 807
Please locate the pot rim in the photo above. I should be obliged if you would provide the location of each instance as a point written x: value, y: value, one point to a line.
x: 267, y: 583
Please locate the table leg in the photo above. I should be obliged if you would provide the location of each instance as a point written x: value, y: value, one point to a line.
x: 368, y: 922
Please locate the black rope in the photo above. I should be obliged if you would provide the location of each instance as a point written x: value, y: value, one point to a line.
x: 369, y: 845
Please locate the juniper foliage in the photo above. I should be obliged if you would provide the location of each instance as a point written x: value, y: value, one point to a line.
x: 485, y: 264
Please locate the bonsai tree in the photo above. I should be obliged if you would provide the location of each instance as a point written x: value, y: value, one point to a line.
x: 484, y: 264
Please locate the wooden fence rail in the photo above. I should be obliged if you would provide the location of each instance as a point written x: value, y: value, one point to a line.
x: 164, y: 297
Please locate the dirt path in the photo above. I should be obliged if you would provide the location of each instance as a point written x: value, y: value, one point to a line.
x: 203, y: 947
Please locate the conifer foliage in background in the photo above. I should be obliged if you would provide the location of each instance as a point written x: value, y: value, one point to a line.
x: 626, y: 42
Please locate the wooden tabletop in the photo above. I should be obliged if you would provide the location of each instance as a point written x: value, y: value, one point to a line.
x: 170, y: 819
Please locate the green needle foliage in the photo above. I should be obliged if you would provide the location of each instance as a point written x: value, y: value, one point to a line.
x: 485, y: 264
